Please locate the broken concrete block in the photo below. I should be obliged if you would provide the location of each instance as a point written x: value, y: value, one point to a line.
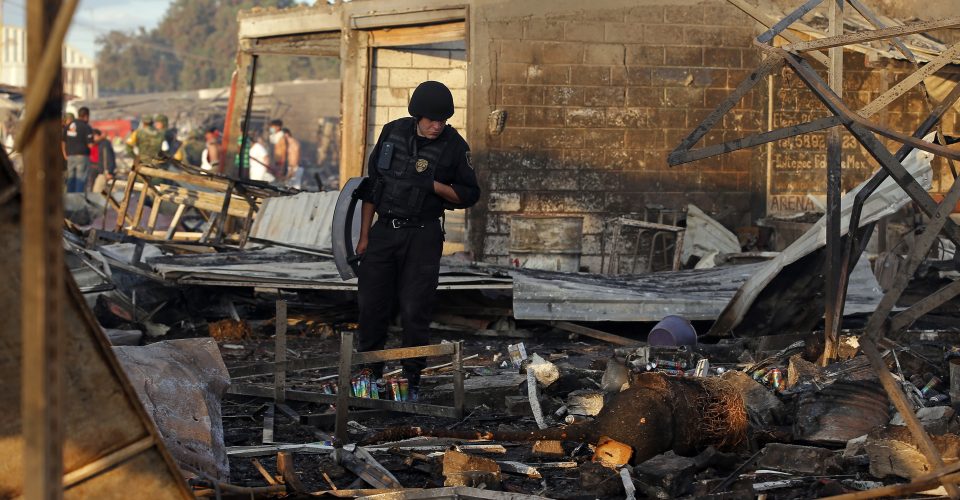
x: 808, y: 460
x: 545, y: 372
x: 616, y: 377
x: 612, y: 453
x: 461, y: 469
x: 855, y: 447
x: 548, y: 449
x: 585, y: 402
x: 490, y: 390
x: 936, y: 420
x: 670, y: 472
x: 181, y: 383
x: 759, y: 400
x: 800, y: 371
x: 893, y: 452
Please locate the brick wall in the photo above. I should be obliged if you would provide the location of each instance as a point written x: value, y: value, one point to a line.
x: 596, y: 100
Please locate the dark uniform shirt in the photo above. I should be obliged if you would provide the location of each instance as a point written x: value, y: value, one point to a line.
x: 77, y: 135
x: 455, y: 168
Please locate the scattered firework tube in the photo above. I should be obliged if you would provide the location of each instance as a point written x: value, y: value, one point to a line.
x: 404, y: 388
x: 671, y: 371
x: 395, y: 389
x: 930, y: 385
x: 775, y: 377
x: 939, y: 398
x: 355, y: 385
x: 675, y: 365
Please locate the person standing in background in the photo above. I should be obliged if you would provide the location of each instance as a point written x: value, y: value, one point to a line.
x: 75, y: 144
x: 294, y: 172
x: 210, y: 159
x: 278, y: 165
x: 103, y: 161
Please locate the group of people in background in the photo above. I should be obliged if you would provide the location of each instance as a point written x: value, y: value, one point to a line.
x: 90, y: 156
x: 276, y: 159
x: 91, y: 160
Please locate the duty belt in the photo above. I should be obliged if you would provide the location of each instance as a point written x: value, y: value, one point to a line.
x: 400, y: 223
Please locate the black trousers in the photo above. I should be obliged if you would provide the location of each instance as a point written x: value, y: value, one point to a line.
x: 401, y: 269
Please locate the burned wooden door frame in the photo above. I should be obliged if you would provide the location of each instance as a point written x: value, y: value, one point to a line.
x: 857, y: 123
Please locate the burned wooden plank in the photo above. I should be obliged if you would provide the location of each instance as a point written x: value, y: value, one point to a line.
x: 871, y: 35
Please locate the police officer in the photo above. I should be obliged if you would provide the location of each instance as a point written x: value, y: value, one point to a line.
x: 145, y: 142
x: 419, y: 167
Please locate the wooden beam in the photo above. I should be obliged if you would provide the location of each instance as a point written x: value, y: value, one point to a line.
x: 356, y: 58
x: 872, y: 35
x: 42, y: 289
x: 834, y: 295
x: 415, y: 35
x: 596, y: 334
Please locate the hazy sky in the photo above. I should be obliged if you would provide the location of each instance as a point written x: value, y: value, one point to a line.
x: 94, y: 17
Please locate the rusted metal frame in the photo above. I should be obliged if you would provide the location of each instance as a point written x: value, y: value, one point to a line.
x: 248, y: 221
x: 872, y: 35
x: 403, y: 353
x: 759, y: 17
x: 753, y: 140
x: 904, y: 319
x: 833, y: 311
x: 317, y: 397
x: 280, y: 353
x: 769, y: 35
x: 127, y: 194
x: 42, y: 266
x: 929, y: 147
x: 343, y: 386
x: 877, y: 23
x: 946, y: 57
x: 921, y: 247
x: 773, y: 61
x: 873, y: 145
x: 895, y: 392
x: 458, y: 392
x: 292, y: 365
x: 915, y: 191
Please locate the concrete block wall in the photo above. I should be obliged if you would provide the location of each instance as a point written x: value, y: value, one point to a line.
x: 596, y: 99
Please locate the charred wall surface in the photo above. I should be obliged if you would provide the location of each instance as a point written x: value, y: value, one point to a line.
x: 596, y: 99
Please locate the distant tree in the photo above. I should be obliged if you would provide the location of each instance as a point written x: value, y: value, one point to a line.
x: 193, y: 46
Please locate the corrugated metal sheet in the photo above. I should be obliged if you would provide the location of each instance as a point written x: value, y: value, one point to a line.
x: 303, y: 220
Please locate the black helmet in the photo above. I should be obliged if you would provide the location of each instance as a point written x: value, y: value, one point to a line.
x: 432, y: 100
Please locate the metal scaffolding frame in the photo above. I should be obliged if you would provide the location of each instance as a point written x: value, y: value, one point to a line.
x: 794, y: 55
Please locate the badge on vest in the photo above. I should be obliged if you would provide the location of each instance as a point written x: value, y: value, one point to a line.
x: 422, y: 165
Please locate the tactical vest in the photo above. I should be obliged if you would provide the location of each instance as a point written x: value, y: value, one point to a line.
x: 149, y: 142
x: 407, y: 171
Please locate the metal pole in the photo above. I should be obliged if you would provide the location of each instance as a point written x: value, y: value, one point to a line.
x: 834, y: 296
x: 42, y: 288
x: 245, y: 126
